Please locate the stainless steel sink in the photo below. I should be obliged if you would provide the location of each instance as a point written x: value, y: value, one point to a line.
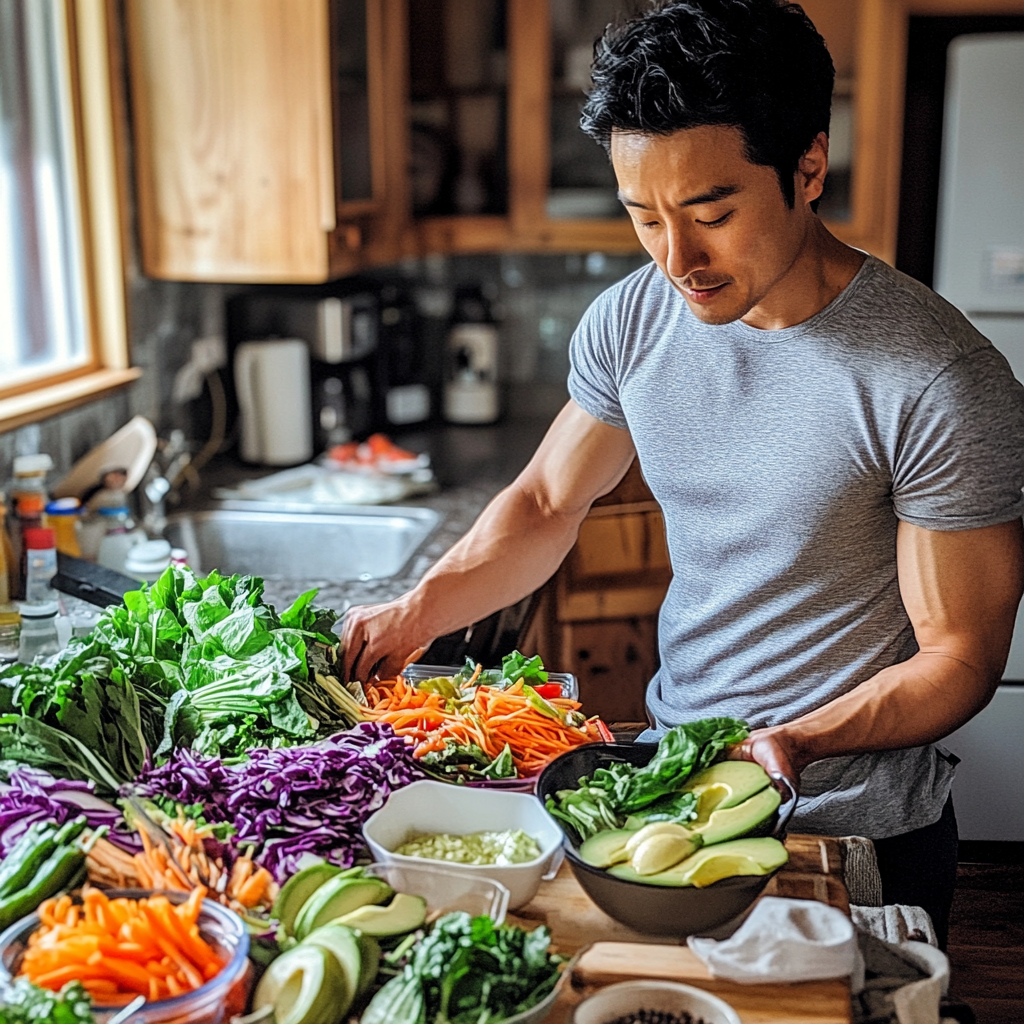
x: 351, y: 542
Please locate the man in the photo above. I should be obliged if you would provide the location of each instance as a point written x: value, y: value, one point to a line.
x: 839, y: 455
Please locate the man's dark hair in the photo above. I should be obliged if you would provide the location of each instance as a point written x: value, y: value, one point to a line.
x: 756, y: 65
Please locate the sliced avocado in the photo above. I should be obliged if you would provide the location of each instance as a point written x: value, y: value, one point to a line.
x: 297, y: 890
x: 713, y: 863
x: 336, y: 898
x: 732, y: 822
x: 725, y: 784
x: 657, y: 828
x: 724, y: 860
x: 343, y: 944
x: 369, y: 951
x: 403, y: 914
x: 304, y: 986
x: 608, y: 847
x: 660, y: 851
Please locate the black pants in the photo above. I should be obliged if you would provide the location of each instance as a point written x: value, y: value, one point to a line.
x: 919, y: 869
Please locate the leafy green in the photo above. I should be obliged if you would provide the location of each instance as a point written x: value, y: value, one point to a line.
x: 609, y: 795
x: 514, y: 666
x: 24, y: 1003
x: 191, y: 661
x: 469, y: 761
x: 470, y: 971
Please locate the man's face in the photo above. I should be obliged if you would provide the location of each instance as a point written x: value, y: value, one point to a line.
x: 717, y: 225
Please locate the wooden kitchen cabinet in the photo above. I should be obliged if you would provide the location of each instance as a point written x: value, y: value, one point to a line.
x: 598, y: 616
x: 559, y: 190
x: 268, y: 136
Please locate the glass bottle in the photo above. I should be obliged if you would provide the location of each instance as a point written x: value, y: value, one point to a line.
x: 10, y: 617
x: 40, y: 564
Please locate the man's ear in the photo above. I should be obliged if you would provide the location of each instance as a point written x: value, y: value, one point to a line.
x: 811, y: 170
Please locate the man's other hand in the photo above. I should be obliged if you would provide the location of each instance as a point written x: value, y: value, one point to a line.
x: 767, y: 747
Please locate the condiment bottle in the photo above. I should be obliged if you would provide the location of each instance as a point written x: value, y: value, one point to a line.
x: 28, y: 499
x: 38, y: 632
x: 10, y: 617
x: 120, y: 537
x: 62, y: 516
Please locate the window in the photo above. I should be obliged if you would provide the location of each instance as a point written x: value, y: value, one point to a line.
x: 62, y: 322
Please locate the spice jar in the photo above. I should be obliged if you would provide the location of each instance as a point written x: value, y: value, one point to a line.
x: 38, y: 632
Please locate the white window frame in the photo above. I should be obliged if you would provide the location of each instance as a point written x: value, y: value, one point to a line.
x: 96, y: 105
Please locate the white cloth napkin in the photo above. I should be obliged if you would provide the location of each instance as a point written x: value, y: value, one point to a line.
x: 784, y: 940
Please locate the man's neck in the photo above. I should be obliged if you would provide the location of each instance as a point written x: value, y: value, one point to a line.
x: 823, y: 267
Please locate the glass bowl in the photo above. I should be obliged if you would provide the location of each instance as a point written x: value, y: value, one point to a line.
x: 215, y: 1002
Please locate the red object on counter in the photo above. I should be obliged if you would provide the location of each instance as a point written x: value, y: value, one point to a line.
x: 548, y: 690
x: 40, y: 538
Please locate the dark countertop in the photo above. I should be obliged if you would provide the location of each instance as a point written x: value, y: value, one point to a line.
x: 471, y: 464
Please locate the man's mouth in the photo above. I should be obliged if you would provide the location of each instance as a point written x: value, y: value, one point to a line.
x: 703, y: 293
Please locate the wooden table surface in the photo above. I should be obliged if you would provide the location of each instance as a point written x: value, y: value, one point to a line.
x: 814, y: 871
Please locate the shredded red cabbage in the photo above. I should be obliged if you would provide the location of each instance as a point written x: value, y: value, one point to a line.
x: 294, y: 800
x: 32, y: 795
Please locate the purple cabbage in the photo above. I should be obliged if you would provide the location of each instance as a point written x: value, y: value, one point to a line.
x: 32, y: 795
x: 293, y: 801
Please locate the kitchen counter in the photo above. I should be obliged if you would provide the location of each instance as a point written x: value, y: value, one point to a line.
x: 471, y: 465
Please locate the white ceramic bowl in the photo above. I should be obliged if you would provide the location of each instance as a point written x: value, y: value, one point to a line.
x: 426, y: 808
x: 668, y: 996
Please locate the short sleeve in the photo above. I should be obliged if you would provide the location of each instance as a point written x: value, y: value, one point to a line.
x: 594, y: 360
x: 960, y: 460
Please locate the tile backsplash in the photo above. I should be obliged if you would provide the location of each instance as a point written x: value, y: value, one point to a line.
x: 537, y: 301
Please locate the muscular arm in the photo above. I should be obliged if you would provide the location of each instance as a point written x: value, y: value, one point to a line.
x: 961, y: 590
x: 517, y: 543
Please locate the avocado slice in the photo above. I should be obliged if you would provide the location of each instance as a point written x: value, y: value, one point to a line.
x: 343, y: 944
x: 297, y: 890
x: 403, y: 914
x: 657, y: 828
x: 369, y: 951
x: 304, y: 986
x: 337, y: 897
x: 725, y: 784
x: 660, y: 851
x: 605, y: 848
x: 712, y: 863
x: 725, y: 860
x: 732, y: 822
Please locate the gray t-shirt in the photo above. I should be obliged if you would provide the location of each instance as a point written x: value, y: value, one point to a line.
x: 783, y: 461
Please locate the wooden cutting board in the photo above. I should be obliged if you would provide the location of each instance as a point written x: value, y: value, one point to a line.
x: 617, y: 953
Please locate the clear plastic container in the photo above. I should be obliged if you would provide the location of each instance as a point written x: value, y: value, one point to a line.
x: 216, y: 1002
x: 446, y: 891
x: 417, y: 673
x: 148, y: 561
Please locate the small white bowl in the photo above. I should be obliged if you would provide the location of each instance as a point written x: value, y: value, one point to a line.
x: 426, y: 808
x: 667, y: 996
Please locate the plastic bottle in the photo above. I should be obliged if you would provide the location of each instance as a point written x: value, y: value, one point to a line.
x: 148, y: 561
x: 63, y: 516
x: 38, y: 632
x: 40, y: 564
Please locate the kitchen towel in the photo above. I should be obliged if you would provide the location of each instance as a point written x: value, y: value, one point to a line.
x: 784, y: 940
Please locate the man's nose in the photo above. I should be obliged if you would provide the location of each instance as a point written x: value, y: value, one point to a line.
x: 685, y: 254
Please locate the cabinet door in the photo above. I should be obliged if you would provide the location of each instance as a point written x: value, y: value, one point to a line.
x: 233, y: 137
x: 867, y: 40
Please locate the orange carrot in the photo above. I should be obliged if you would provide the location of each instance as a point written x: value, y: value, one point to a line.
x: 120, y: 948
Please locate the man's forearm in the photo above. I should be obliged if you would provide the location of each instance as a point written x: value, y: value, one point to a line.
x: 907, y: 705
x: 513, y: 548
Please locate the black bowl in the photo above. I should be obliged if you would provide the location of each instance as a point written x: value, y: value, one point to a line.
x: 653, y: 909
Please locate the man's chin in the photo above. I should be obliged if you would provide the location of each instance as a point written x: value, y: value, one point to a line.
x: 713, y: 313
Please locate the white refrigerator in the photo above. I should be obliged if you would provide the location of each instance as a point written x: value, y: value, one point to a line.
x: 979, y: 267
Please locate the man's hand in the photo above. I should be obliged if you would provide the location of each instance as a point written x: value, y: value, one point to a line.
x: 768, y: 748
x: 379, y: 640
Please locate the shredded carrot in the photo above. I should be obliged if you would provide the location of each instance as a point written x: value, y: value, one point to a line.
x: 492, y: 719
x: 121, y: 948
